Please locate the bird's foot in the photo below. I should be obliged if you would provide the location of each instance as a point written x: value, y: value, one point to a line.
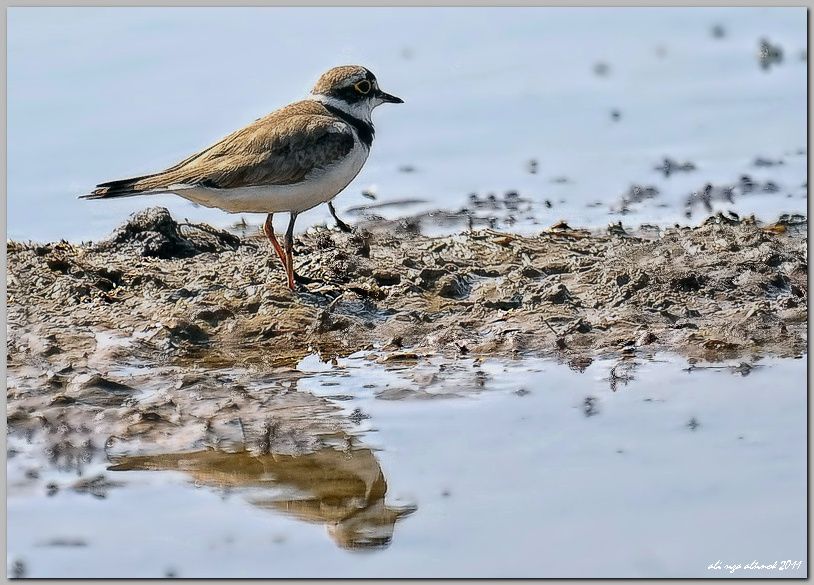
x: 300, y: 279
x: 343, y: 226
x: 339, y: 223
x: 296, y: 283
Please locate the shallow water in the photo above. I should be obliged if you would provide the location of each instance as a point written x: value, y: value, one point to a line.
x: 98, y: 94
x: 523, y: 468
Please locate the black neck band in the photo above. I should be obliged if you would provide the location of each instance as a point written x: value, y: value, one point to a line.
x: 363, y: 129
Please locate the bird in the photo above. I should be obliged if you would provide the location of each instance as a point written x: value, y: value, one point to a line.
x: 291, y: 160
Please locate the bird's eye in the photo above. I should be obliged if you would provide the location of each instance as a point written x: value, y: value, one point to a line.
x: 363, y: 86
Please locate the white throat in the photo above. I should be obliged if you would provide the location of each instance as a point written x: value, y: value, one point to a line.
x: 361, y: 110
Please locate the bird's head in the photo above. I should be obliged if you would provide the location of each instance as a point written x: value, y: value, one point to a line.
x: 353, y: 89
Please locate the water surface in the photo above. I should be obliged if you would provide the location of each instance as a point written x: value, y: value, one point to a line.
x: 523, y: 468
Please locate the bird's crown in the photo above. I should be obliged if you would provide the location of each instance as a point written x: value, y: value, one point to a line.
x: 333, y: 81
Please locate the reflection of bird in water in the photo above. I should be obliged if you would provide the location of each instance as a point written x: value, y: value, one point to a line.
x: 343, y: 490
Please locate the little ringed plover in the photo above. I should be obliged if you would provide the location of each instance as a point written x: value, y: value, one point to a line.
x: 291, y: 160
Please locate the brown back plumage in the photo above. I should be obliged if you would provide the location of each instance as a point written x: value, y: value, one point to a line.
x: 279, y: 149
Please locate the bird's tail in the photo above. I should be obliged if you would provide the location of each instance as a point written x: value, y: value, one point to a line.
x: 124, y: 188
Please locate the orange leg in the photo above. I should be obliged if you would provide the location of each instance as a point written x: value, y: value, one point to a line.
x: 268, y: 229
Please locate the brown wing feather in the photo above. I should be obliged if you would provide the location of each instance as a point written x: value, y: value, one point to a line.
x: 279, y: 149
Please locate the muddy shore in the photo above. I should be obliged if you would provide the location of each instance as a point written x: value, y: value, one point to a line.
x: 172, y: 337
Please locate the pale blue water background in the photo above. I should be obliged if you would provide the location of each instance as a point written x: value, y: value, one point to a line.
x: 100, y: 94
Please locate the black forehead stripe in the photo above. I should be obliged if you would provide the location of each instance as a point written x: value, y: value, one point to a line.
x: 363, y: 129
x: 370, y: 76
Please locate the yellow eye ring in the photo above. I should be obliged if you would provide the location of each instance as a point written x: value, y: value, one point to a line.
x: 363, y: 86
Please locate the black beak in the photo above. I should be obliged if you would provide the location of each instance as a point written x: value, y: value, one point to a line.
x: 386, y: 97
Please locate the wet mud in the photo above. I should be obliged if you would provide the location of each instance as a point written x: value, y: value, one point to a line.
x: 160, y: 292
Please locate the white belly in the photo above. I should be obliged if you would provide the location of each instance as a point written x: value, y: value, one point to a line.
x: 319, y: 187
